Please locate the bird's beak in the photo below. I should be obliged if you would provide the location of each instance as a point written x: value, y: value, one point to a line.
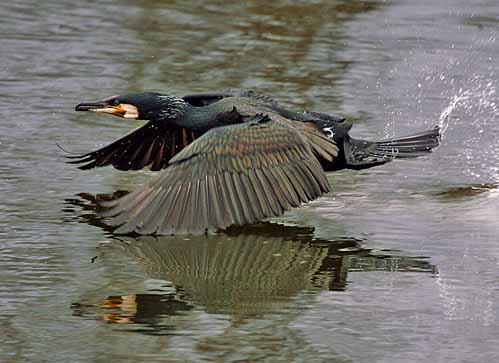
x: 122, y: 110
x: 94, y: 107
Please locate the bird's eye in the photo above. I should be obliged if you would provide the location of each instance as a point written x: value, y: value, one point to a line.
x: 115, y: 102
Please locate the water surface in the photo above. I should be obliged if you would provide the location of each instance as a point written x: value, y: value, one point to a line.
x: 398, y: 264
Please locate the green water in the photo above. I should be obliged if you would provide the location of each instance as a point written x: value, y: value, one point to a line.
x: 398, y: 264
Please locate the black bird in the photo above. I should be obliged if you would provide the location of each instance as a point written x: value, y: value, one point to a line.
x: 230, y: 158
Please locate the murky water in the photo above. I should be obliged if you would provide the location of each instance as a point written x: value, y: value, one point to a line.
x: 398, y: 264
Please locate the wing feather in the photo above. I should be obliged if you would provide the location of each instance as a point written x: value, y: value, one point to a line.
x: 237, y: 174
x: 151, y: 145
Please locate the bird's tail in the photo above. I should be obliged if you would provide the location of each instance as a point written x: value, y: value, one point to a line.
x: 409, y: 146
x: 362, y: 154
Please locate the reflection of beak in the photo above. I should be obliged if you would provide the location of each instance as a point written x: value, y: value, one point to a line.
x: 122, y: 110
x: 128, y: 309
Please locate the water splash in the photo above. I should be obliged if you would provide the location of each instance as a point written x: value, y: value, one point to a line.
x: 478, y: 99
x: 477, y: 115
x: 443, y: 121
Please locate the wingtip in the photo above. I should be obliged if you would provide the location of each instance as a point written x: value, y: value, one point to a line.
x: 72, y: 154
x: 74, y: 158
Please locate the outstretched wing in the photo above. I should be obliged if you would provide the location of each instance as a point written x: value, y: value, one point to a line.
x: 152, y: 144
x: 237, y: 174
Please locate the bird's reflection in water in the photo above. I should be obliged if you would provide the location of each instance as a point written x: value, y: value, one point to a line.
x: 244, y: 272
x: 143, y: 309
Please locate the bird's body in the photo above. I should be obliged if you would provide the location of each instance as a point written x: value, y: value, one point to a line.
x: 231, y: 157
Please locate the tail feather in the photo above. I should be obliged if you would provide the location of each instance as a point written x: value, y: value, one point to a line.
x: 361, y: 154
x: 410, y: 146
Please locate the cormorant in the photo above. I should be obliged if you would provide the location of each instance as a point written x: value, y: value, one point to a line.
x: 230, y: 158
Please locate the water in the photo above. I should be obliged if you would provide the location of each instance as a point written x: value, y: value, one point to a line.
x: 398, y: 264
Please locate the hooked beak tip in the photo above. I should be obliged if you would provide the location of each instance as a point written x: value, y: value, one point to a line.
x: 89, y: 106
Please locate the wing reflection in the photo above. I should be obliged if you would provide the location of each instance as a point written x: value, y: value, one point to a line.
x: 249, y: 273
x: 244, y: 272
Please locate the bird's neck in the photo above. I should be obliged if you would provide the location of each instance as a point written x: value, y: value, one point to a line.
x: 205, y: 118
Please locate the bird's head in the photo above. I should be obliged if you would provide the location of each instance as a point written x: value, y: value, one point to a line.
x: 145, y: 106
